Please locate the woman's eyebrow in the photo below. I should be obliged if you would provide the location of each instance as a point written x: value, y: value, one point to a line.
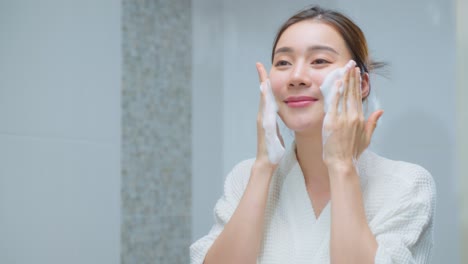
x: 309, y: 49
x: 322, y: 48
x: 284, y: 50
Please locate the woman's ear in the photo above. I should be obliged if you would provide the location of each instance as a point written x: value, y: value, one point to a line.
x: 365, y: 85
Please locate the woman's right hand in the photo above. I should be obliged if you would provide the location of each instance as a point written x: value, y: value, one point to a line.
x: 262, y: 158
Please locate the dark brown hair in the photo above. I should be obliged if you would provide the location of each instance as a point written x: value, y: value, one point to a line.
x: 349, y: 31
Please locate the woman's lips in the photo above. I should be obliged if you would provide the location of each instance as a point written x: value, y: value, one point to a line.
x: 299, y: 101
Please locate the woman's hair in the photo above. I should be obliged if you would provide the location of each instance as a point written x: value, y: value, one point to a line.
x: 349, y: 31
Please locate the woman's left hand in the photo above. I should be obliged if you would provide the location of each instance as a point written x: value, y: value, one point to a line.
x: 346, y: 133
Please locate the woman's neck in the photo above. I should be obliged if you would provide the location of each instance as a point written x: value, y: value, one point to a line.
x: 309, y: 155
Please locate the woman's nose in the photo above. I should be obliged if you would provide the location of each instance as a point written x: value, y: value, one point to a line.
x: 299, y: 77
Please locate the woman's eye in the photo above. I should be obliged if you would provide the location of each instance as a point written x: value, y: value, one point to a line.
x: 320, y: 61
x: 282, y: 63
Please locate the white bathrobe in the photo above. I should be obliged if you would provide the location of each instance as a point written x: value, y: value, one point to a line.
x: 399, y: 200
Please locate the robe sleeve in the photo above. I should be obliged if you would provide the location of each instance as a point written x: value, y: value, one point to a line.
x: 404, y: 232
x: 234, y: 187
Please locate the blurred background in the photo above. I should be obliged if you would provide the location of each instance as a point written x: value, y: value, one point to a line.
x: 119, y: 120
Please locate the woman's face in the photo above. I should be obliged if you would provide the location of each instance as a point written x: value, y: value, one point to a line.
x: 305, y: 53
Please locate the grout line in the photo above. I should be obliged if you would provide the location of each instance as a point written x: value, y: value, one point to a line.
x: 58, y: 138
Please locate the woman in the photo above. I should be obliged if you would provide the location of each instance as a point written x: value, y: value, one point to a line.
x: 328, y: 199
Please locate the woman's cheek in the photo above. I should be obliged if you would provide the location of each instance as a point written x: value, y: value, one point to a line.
x: 320, y: 77
x: 275, y: 88
x: 275, y: 84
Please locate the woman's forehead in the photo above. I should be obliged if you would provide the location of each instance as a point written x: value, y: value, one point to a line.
x: 309, y: 33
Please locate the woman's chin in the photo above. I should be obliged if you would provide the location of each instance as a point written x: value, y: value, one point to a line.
x: 303, y: 121
x: 303, y: 125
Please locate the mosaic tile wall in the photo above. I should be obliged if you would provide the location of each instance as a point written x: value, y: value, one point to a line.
x: 156, y: 131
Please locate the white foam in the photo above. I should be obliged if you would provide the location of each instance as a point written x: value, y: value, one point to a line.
x: 328, y: 89
x: 329, y: 83
x: 274, y: 147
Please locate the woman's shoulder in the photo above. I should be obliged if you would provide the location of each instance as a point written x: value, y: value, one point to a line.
x: 237, y: 179
x: 241, y: 171
x: 399, y: 198
x: 398, y: 179
x: 244, y: 164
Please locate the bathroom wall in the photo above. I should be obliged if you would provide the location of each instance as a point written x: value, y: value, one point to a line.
x: 60, y: 71
x: 119, y: 120
x: 462, y: 121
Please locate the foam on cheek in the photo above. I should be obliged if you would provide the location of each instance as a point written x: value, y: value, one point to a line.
x: 328, y: 90
x: 328, y: 85
x: 274, y: 147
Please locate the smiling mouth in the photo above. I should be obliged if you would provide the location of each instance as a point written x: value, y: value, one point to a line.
x: 301, y: 101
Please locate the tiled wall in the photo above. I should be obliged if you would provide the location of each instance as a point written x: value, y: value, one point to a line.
x: 156, y: 131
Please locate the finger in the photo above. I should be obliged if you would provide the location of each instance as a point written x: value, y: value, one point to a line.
x: 336, y: 96
x: 372, y: 124
x: 359, y: 93
x: 351, y: 103
x: 356, y: 102
x: 260, y: 129
x: 263, y: 77
x: 346, y: 87
x: 262, y: 74
x: 279, y: 134
x: 261, y: 104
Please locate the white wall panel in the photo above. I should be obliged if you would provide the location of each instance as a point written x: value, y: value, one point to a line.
x: 60, y: 131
